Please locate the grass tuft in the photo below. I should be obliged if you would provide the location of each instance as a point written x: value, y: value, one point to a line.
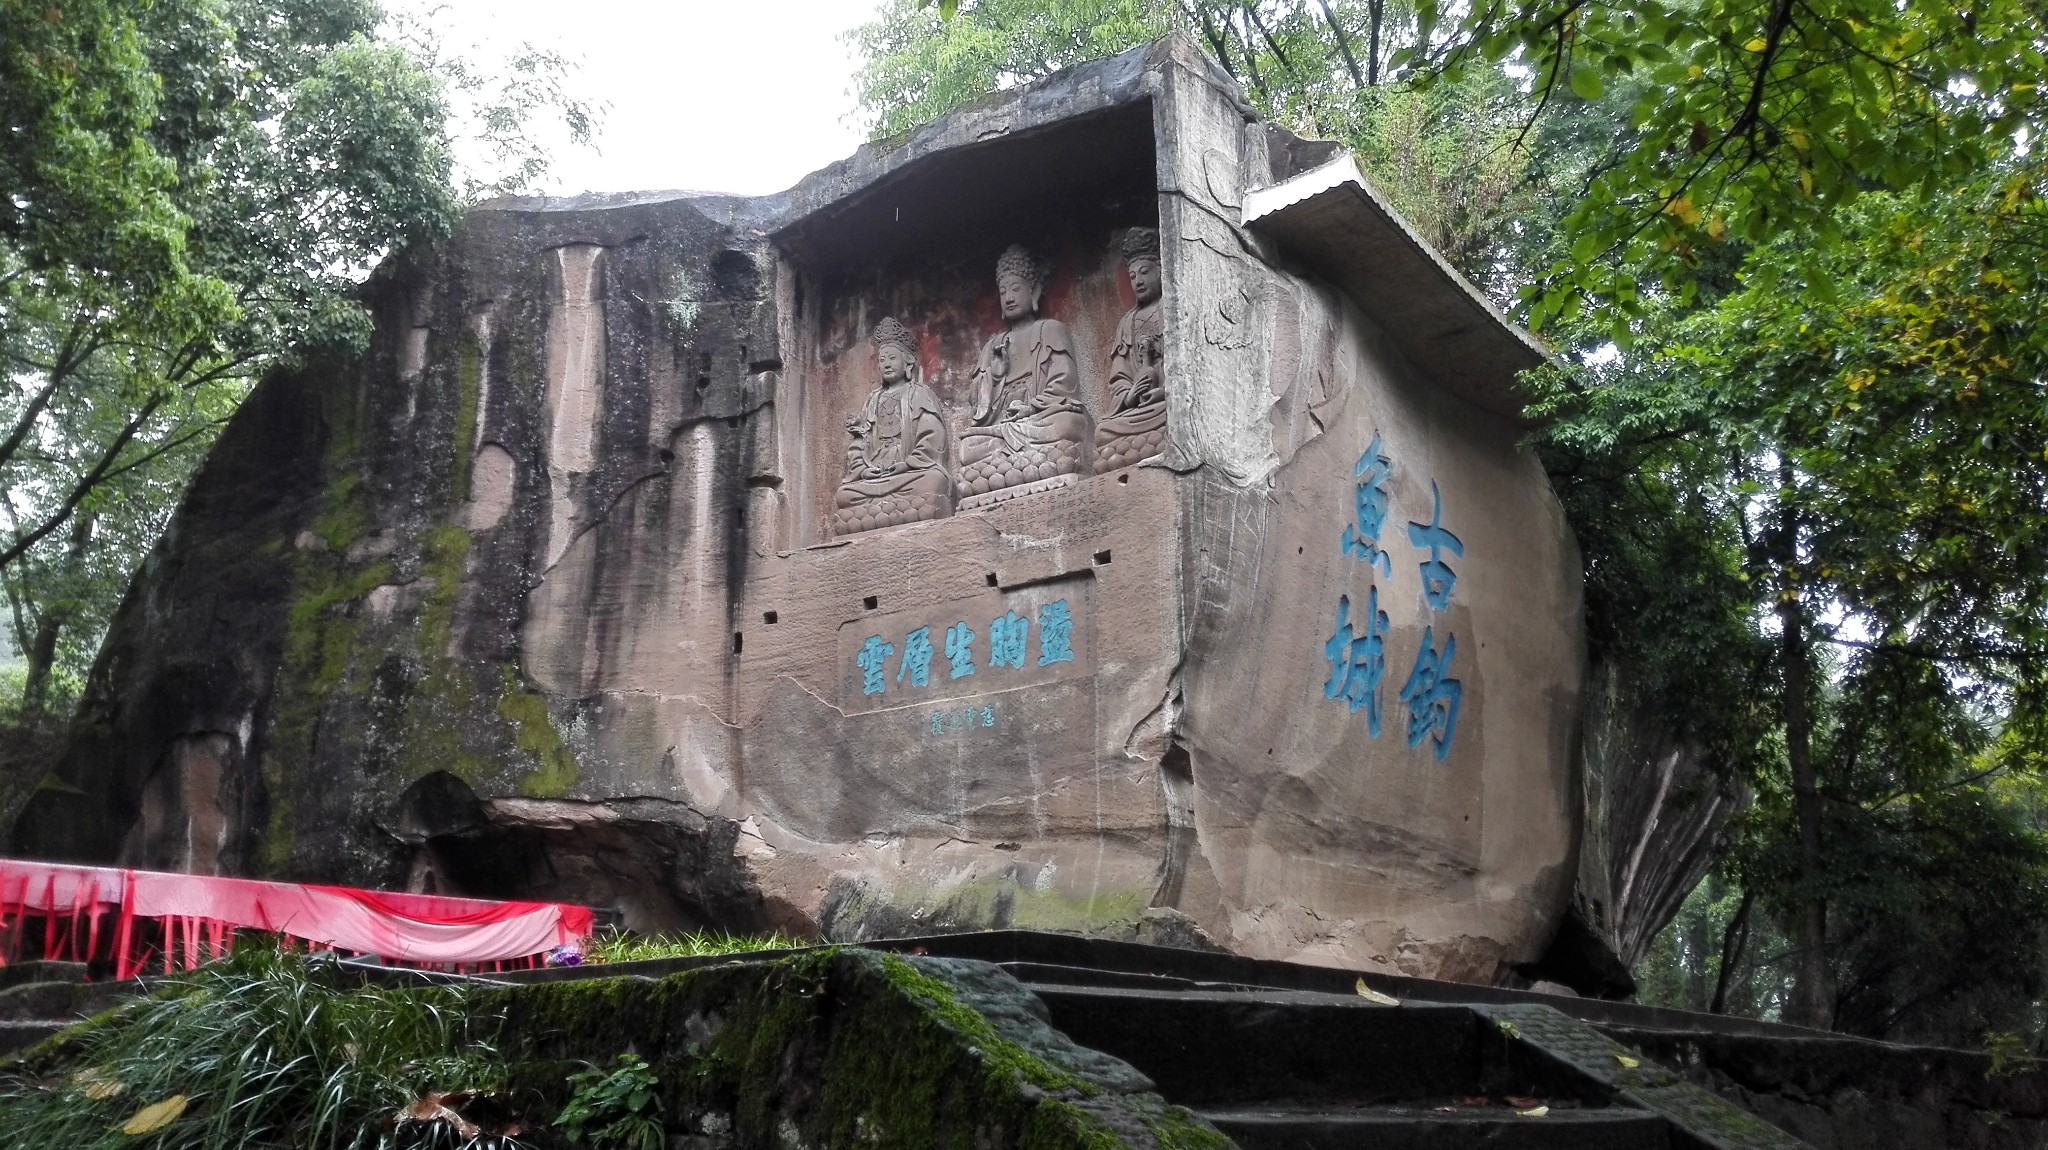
x: 620, y: 946
x: 264, y: 1053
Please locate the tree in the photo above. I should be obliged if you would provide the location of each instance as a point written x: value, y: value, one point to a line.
x: 196, y: 189
x: 919, y: 63
x: 1751, y: 119
x: 269, y: 151
x: 89, y: 204
x: 1884, y: 466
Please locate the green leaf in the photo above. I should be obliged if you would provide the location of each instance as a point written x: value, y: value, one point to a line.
x: 1586, y: 84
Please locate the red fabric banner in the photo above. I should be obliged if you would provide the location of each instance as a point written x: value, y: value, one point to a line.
x: 198, y: 915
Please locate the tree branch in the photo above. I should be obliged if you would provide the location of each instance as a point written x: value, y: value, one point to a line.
x: 1774, y: 38
x: 84, y: 487
x: 1344, y: 45
x: 70, y: 354
x: 1252, y: 11
x: 1217, y: 42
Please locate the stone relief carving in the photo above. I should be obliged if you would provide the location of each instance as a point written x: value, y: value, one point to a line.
x: 1030, y: 431
x: 896, y: 446
x: 1137, y: 367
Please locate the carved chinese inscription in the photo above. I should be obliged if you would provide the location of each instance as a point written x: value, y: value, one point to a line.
x: 896, y: 446
x: 1137, y: 367
x: 1357, y: 649
x: 1030, y: 430
x: 967, y: 648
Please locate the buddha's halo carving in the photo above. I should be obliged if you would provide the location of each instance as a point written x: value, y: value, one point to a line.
x: 1135, y: 428
x: 896, y: 445
x: 1030, y: 430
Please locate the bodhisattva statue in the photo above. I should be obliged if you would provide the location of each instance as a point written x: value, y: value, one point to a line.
x: 1029, y: 424
x: 1137, y: 368
x: 896, y: 446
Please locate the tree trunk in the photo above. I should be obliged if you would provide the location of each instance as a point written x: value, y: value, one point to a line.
x: 40, y: 653
x: 1699, y: 935
x: 1734, y: 941
x: 1377, y: 14
x: 1810, y: 996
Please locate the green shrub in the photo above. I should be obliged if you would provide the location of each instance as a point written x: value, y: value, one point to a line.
x: 616, y: 1108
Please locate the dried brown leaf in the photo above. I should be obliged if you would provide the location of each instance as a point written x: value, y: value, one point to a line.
x: 155, y: 1116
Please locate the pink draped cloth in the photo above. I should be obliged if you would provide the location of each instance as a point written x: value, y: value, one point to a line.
x: 204, y: 910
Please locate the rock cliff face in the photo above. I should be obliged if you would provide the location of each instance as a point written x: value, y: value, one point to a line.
x: 554, y: 593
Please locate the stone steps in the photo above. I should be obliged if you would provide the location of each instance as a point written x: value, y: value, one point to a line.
x: 1279, y: 1055
x: 19, y: 1036
x: 1290, y: 1069
x: 39, y: 999
x: 42, y: 970
x: 1300, y: 1127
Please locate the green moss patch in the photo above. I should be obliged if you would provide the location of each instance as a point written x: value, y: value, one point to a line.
x: 469, y: 382
x: 843, y: 1047
x: 534, y: 733
x: 825, y: 1048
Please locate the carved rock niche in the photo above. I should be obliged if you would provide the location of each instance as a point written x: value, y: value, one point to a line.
x: 1002, y: 279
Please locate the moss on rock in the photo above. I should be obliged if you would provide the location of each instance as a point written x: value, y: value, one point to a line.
x: 534, y: 733
x: 469, y: 382
x: 838, y: 1047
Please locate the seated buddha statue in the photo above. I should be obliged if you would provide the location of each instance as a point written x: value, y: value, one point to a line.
x: 1136, y: 429
x: 1029, y: 424
x: 896, y: 446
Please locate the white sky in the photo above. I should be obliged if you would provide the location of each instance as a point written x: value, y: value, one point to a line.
x: 716, y: 95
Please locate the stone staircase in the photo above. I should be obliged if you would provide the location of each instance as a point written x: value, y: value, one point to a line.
x: 38, y: 999
x: 1280, y: 1069
x: 1280, y: 1056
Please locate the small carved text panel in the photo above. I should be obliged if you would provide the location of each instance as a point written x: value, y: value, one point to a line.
x: 967, y: 648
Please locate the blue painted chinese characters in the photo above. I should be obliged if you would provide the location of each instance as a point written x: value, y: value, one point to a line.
x: 1431, y: 697
x: 965, y: 719
x: 1369, y: 510
x: 1055, y: 633
x: 917, y: 658
x: 960, y: 650
x: 874, y: 655
x: 1357, y: 648
x: 1009, y: 648
x: 1007, y: 636
x: 1357, y: 661
x: 1437, y: 577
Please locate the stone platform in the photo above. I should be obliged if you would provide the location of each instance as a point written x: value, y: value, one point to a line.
x: 1287, y: 1056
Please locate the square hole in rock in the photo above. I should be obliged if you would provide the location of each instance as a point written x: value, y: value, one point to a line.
x: 871, y: 602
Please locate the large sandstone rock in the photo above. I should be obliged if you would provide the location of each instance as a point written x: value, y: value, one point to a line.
x: 545, y: 597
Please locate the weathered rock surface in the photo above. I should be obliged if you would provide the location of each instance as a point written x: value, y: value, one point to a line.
x: 840, y: 1048
x: 542, y: 597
